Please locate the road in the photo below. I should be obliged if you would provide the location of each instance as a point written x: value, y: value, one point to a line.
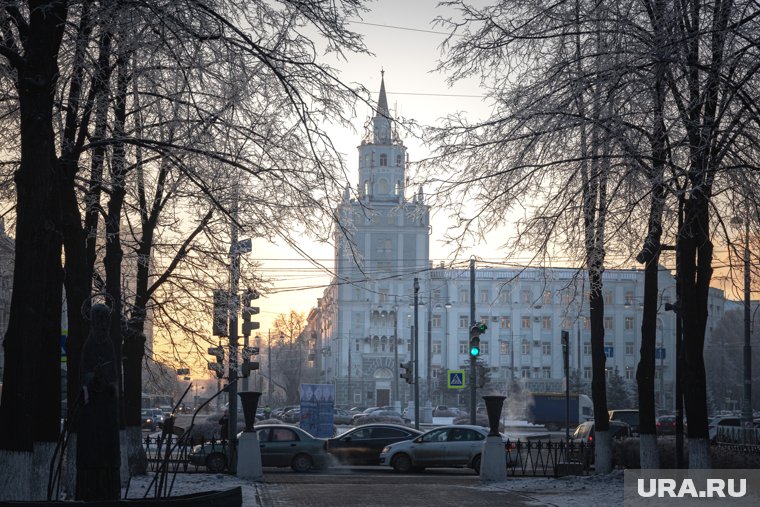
x: 380, y: 487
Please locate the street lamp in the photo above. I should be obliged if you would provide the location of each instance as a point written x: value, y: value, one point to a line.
x: 747, y: 398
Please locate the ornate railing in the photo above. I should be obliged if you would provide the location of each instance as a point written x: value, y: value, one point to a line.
x: 734, y: 435
x: 541, y: 458
x: 175, y: 452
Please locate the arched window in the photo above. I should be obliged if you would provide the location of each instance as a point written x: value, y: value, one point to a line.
x: 383, y: 159
x: 382, y: 186
x: 398, y: 187
x: 399, y: 158
x: 366, y: 187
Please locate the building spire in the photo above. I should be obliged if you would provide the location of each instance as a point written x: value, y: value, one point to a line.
x: 382, y: 101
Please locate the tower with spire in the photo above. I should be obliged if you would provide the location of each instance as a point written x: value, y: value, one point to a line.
x: 381, y: 246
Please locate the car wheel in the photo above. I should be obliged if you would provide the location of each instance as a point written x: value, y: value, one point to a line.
x: 216, y: 462
x: 402, y: 463
x: 301, y: 463
x: 476, y: 464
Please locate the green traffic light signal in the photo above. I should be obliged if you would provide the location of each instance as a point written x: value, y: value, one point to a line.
x: 474, y: 346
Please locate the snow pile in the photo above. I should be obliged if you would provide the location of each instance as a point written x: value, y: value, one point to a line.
x: 592, y: 490
x: 194, y: 483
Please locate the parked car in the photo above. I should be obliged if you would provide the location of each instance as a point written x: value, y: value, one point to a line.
x: 281, y: 446
x: 389, y: 416
x: 666, y: 425
x: 362, y: 445
x: 712, y: 425
x: 629, y: 416
x: 292, y: 416
x: 445, y: 446
x: 148, y: 421
x: 341, y: 416
x: 583, y: 436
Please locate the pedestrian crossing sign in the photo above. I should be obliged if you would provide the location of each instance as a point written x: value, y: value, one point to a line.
x: 456, y: 379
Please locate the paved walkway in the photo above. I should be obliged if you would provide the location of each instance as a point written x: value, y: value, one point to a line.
x: 381, y: 490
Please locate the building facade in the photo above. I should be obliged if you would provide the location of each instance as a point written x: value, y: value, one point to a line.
x: 363, y: 326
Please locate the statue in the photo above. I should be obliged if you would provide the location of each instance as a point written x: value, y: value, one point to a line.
x: 98, y: 453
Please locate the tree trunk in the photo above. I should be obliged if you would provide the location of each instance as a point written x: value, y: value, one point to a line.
x: 646, y: 369
x: 30, y: 406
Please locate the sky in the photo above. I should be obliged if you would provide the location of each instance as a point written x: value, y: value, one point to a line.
x: 405, y: 44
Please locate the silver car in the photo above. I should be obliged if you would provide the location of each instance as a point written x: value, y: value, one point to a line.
x: 445, y: 446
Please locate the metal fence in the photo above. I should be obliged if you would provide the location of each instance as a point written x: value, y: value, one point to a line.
x: 539, y: 458
x: 530, y: 458
x: 174, y: 452
x: 734, y: 435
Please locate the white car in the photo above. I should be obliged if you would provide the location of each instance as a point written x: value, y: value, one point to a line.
x: 445, y: 446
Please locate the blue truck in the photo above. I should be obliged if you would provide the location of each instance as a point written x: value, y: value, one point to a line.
x: 548, y: 409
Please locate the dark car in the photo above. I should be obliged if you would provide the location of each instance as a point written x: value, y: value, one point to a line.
x: 666, y: 425
x: 362, y: 445
x: 148, y: 421
x: 281, y: 446
x: 629, y: 416
x: 583, y: 437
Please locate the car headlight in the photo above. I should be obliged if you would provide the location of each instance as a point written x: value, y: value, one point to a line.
x: 387, y: 448
x: 197, y: 449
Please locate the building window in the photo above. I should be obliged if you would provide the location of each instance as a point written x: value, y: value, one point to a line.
x: 504, y: 295
x: 566, y: 297
x: 586, y: 349
x: 463, y: 348
x: 464, y: 296
x: 628, y: 348
x: 586, y: 323
x: 609, y: 350
x: 546, y: 323
x: 505, y: 323
x: 609, y: 323
x: 383, y: 294
x: 628, y: 373
x: 546, y: 372
x: 485, y: 297
x: 435, y: 321
x: 567, y: 323
x: 399, y: 159
x: 525, y: 322
x: 628, y: 298
x: 526, y: 297
x: 608, y: 297
x: 547, y: 297
x: 436, y: 348
x: 383, y: 159
x: 525, y: 372
x: 587, y: 372
x: 525, y: 347
x: 436, y: 295
x: 504, y: 348
x: 546, y: 348
x: 464, y: 322
x: 629, y: 323
x: 484, y: 319
x: 483, y: 348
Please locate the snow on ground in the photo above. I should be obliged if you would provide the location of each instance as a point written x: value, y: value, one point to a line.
x: 592, y: 490
x: 194, y: 483
x: 589, y: 491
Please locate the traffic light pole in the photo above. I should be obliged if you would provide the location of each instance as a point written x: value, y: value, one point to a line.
x: 416, y: 356
x: 473, y: 359
x: 232, y: 419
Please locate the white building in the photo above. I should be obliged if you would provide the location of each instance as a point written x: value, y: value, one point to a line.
x: 367, y: 311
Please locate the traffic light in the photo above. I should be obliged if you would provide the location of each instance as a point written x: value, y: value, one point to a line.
x: 249, y: 310
x: 249, y: 365
x: 220, y: 326
x: 475, y: 331
x: 218, y: 366
x: 407, y: 374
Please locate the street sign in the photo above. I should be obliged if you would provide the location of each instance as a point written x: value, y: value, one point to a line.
x: 455, y: 379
